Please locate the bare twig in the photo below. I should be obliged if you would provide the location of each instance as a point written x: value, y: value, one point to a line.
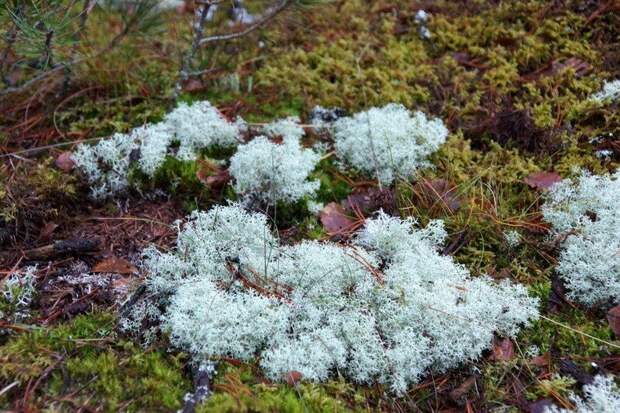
x: 45, y: 147
x: 273, y: 12
x: 9, y: 387
x: 65, y: 247
x: 199, y: 26
x: 11, y: 38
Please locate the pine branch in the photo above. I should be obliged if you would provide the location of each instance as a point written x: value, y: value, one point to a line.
x: 264, y: 20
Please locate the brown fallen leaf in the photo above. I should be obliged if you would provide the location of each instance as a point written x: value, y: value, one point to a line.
x: 212, y: 175
x: 503, y: 350
x: 65, y: 162
x: 194, y: 85
x: 459, y: 395
x: 541, y: 361
x: 613, y: 318
x: 46, y: 231
x: 293, y: 377
x: 542, y: 180
x: 370, y: 200
x: 115, y: 265
x: 334, y: 218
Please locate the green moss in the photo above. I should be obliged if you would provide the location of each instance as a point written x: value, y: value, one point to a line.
x: 557, y: 385
x: 570, y: 336
x: 334, y: 185
x: 238, y: 390
x: 84, y: 363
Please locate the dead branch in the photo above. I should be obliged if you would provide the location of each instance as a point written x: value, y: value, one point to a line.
x: 75, y: 246
x: 274, y: 11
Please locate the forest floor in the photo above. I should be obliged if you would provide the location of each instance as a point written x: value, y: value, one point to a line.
x: 510, y: 80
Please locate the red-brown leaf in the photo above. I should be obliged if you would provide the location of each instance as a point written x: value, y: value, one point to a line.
x: 46, y: 231
x: 371, y: 200
x: 293, y: 377
x: 503, y: 350
x: 542, y: 180
x: 541, y: 361
x: 613, y: 318
x: 334, y: 218
x: 211, y: 175
x: 194, y: 85
x: 64, y: 162
x: 115, y: 265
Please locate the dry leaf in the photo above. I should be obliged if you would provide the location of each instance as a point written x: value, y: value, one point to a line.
x: 542, y: 180
x: 459, y: 395
x: 194, y: 85
x: 541, y: 361
x: 503, y: 350
x: 371, y: 200
x: 211, y: 175
x: 613, y: 318
x: 47, y: 230
x: 115, y: 265
x: 293, y: 377
x: 334, y: 218
x: 65, y: 162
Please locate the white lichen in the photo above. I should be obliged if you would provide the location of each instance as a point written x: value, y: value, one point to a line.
x: 275, y: 172
x: 154, y: 141
x: 289, y: 129
x: 602, y: 396
x: 183, y: 134
x: 389, y: 142
x: 512, y: 238
x: 199, y: 126
x: 16, y: 294
x: 106, y: 164
x: 229, y: 289
x: 585, y: 212
x: 609, y: 92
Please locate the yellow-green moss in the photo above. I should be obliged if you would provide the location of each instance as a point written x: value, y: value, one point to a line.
x: 84, y: 363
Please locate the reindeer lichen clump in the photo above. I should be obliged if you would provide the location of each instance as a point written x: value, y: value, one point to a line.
x: 273, y: 171
x: 389, y: 142
x: 601, y: 396
x: 16, y: 294
x: 183, y: 133
x: 386, y: 309
x: 585, y: 212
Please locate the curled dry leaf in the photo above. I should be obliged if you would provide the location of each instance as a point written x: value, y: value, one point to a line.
x: 541, y: 361
x: 371, y: 200
x: 194, y: 85
x: 613, y: 318
x: 115, y: 265
x: 334, y: 218
x: 65, y: 162
x: 212, y: 175
x: 293, y: 377
x: 542, y: 180
x: 459, y: 395
x: 503, y: 350
x: 46, y: 231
